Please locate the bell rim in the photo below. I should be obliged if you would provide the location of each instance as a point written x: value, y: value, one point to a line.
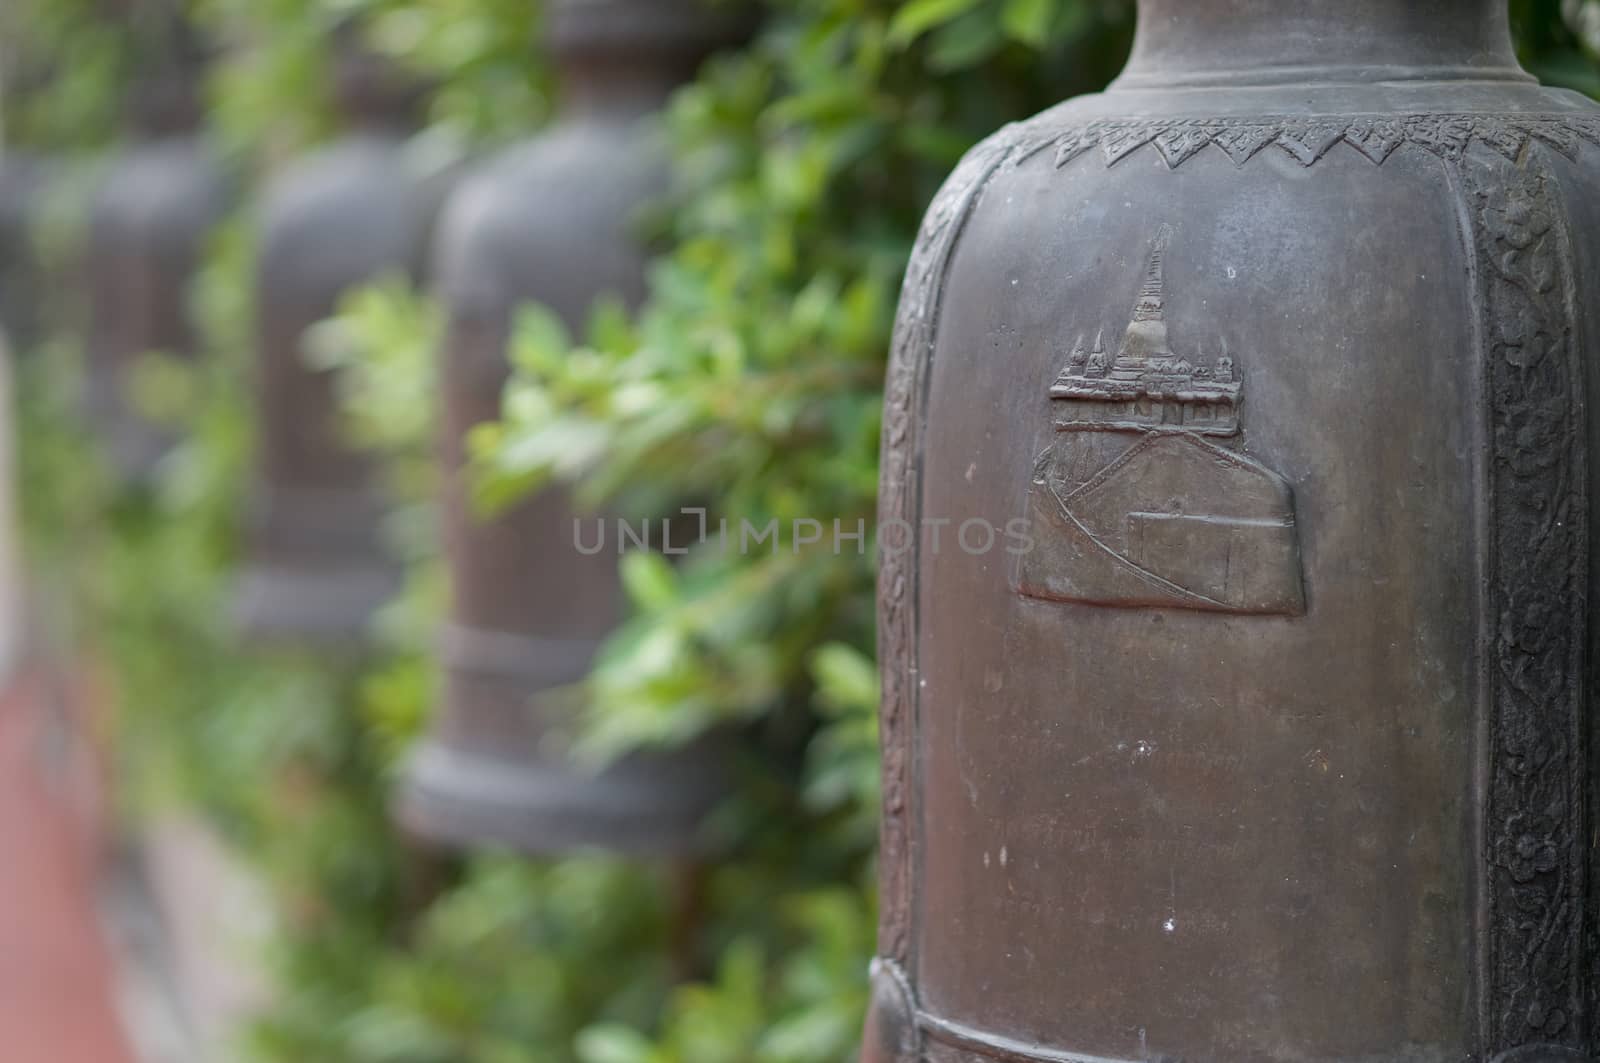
x: 466, y: 799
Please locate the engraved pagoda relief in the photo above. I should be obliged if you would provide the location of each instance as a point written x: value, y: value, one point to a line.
x: 1135, y: 503
x: 1148, y: 386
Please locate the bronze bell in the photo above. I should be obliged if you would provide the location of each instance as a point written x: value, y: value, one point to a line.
x: 156, y: 204
x: 1265, y: 735
x: 551, y: 221
x: 358, y: 208
x: 27, y: 177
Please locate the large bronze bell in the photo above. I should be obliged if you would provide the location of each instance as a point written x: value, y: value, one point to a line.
x: 549, y: 221
x: 358, y: 208
x: 157, y: 203
x: 1267, y: 735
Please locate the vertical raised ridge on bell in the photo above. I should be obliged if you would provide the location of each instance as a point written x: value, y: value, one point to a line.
x: 550, y: 221
x: 316, y: 566
x: 1535, y: 808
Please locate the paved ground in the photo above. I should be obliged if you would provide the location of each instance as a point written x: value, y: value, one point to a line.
x: 58, y: 998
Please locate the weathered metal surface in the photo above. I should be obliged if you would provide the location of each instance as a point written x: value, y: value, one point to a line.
x: 1273, y: 742
x: 552, y: 221
x: 358, y: 209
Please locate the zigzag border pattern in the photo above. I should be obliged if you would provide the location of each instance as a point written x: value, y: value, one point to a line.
x: 1307, y: 140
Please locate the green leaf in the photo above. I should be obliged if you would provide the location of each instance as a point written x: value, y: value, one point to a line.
x: 539, y: 341
x: 613, y: 1043
x: 649, y: 580
x: 812, y: 1036
x: 965, y: 42
x: 845, y: 676
x: 1029, y: 20
x: 920, y: 16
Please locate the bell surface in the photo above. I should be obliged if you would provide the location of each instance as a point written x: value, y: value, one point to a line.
x: 1256, y: 726
x: 24, y: 180
x: 360, y: 208
x: 147, y: 230
x: 553, y: 222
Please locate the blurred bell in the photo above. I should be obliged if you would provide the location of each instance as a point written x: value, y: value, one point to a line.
x: 357, y: 209
x: 24, y: 178
x: 551, y: 221
x: 157, y: 202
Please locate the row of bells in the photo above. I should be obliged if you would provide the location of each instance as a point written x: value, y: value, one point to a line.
x: 547, y: 221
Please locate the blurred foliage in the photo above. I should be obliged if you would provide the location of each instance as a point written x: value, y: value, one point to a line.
x: 69, y: 68
x: 271, y: 95
x: 501, y: 968
x: 1559, y: 40
x: 64, y: 66
x: 747, y: 386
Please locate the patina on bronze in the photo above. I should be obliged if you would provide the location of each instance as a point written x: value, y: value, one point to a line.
x: 1277, y: 745
x: 358, y: 209
x: 157, y: 202
x: 552, y: 221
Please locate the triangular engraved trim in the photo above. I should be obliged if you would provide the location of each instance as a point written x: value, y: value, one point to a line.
x: 1072, y: 145
x: 1243, y: 143
x: 1446, y: 137
x: 1307, y: 140
x: 1376, y: 140
x: 1508, y: 140
x: 1177, y: 145
x: 1118, y: 143
x: 1309, y: 143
